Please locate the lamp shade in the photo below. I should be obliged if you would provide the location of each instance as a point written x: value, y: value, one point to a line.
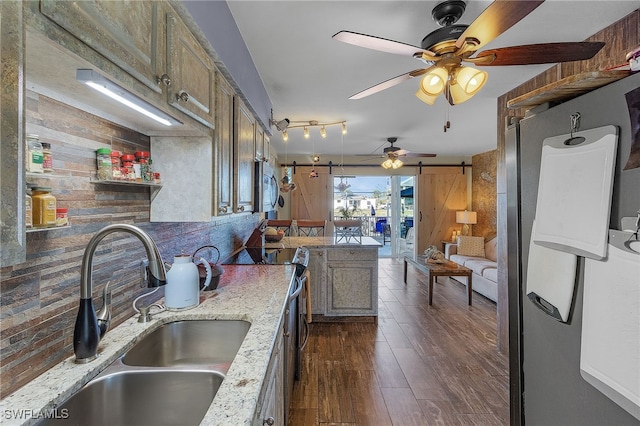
x: 434, y: 81
x: 470, y: 79
x: 467, y: 217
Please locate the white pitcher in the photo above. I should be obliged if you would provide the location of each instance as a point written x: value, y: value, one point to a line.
x: 183, y: 282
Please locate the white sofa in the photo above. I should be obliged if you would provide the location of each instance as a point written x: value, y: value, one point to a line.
x: 483, y: 263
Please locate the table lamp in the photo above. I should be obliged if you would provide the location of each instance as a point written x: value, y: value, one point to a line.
x: 466, y: 218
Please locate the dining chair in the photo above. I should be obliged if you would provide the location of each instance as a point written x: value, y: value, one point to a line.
x: 348, y: 230
x: 310, y: 228
x: 281, y: 224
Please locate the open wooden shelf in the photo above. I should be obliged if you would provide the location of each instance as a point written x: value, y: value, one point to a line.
x: 567, y: 88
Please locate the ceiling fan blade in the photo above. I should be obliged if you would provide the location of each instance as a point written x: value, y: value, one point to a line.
x: 388, y: 83
x: 496, y: 19
x: 415, y: 154
x: 380, y: 44
x: 544, y: 53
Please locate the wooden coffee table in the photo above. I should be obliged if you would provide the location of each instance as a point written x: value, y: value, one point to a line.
x: 433, y: 270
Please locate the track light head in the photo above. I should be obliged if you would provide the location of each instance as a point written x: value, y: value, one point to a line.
x: 281, y: 125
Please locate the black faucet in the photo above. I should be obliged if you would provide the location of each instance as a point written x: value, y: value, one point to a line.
x: 90, y: 328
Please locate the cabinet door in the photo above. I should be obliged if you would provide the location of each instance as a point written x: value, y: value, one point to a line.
x: 224, y: 145
x: 259, y: 144
x: 351, y: 289
x: 318, y: 271
x: 126, y: 32
x: 271, y: 403
x: 244, y: 146
x: 12, y: 226
x: 191, y: 71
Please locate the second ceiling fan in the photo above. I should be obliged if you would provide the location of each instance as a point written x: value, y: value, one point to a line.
x: 393, y: 153
x: 444, y: 50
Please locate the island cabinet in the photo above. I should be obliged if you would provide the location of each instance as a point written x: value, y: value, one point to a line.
x: 344, y: 281
x: 318, y: 271
x: 352, y: 282
x: 244, y: 155
x: 270, y: 407
x: 148, y: 41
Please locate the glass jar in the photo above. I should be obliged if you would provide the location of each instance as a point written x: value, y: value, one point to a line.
x: 103, y: 160
x: 43, y: 207
x: 47, y: 158
x: 62, y: 216
x: 116, y: 166
x: 35, y: 155
x: 28, y: 210
x: 127, y: 167
x: 142, y: 158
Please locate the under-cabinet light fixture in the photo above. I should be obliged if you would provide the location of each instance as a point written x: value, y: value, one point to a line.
x: 112, y: 90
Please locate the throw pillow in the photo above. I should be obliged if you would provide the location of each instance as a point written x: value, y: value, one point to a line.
x: 471, y: 246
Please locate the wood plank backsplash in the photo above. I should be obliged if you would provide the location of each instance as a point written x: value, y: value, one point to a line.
x: 40, y: 297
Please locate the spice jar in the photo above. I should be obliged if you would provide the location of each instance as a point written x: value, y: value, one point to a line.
x: 127, y: 167
x: 28, y: 211
x: 142, y: 158
x: 35, y: 155
x: 103, y: 159
x: 116, y: 166
x: 62, y: 216
x: 47, y: 157
x: 43, y: 207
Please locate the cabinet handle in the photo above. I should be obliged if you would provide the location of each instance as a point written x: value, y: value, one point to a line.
x: 222, y: 209
x: 240, y: 208
x: 164, y: 79
x: 183, y: 96
x: 270, y: 421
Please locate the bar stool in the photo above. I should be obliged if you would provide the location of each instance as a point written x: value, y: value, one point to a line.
x: 349, y: 230
x: 281, y: 224
x: 310, y: 228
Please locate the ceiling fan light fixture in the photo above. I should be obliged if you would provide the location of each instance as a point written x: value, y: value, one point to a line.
x: 392, y: 163
x: 427, y: 99
x: 434, y: 81
x: 470, y: 79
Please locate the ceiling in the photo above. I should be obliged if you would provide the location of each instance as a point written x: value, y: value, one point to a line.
x: 310, y: 76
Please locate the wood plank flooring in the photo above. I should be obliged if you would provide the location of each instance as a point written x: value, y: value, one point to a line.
x: 419, y: 365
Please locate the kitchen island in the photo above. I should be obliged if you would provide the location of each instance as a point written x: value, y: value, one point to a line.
x: 343, y: 275
x: 256, y: 294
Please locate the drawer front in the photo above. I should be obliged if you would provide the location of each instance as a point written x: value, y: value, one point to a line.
x: 351, y: 254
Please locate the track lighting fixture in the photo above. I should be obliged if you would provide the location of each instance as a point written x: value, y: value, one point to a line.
x: 285, y: 125
x: 280, y: 125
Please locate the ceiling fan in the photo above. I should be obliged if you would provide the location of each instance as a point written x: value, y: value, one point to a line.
x: 393, y: 153
x: 444, y: 50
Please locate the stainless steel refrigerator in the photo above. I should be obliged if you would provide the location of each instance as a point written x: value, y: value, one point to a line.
x: 548, y: 387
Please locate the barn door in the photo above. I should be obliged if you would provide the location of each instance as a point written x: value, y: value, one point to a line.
x: 314, y: 197
x: 441, y: 192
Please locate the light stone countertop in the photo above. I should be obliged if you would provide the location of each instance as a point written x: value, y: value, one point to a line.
x: 322, y: 242
x: 255, y: 293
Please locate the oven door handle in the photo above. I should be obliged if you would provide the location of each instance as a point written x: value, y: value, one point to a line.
x: 306, y: 334
x: 296, y: 293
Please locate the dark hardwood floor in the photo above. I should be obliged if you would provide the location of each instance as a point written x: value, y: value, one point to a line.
x: 419, y: 365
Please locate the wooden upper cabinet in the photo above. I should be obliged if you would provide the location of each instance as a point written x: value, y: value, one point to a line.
x: 192, y: 73
x: 260, y: 144
x: 132, y: 37
x: 224, y: 145
x: 244, y: 154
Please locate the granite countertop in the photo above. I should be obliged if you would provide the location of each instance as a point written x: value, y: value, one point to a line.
x: 322, y: 242
x: 255, y: 293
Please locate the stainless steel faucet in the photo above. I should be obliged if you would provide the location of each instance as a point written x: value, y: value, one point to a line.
x: 89, y: 328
